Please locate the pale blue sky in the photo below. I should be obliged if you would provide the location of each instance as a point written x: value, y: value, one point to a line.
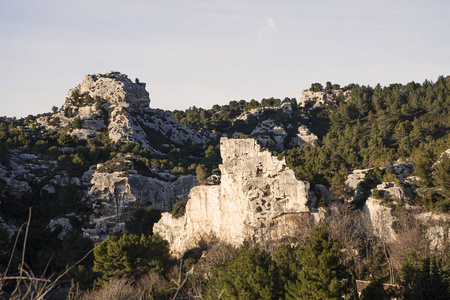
x: 210, y: 52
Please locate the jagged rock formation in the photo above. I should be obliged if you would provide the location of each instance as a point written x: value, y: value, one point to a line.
x: 256, y: 195
x: 115, y: 88
x: 112, y: 102
x: 320, y: 98
x: 114, y: 197
x: 268, y: 130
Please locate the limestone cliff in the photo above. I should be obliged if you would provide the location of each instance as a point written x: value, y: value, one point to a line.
x: 114, y: 196
x: 256, y: 192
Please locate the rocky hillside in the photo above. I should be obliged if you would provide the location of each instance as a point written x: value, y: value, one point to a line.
x: 106, y: 163
x: 114, y: 104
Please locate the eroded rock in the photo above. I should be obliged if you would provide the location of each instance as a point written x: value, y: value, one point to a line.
x: 255, y: 192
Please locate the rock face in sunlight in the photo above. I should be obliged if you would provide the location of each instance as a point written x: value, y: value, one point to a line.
x: 116, y: 88
x: 256, y: 193
x: 114, y: 104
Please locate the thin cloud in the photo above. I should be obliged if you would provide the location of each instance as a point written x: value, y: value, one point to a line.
x: 271, y: 24
x: 266, y: 33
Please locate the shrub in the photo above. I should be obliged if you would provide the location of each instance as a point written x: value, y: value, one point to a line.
x: 376, y: 194
x: 202, y: 174
x: 251, y: 274
x: 131, y: 256
x: 179, y: 209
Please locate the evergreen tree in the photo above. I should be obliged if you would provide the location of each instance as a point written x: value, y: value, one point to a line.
x: 442, y: 175
x: 251, y: 275
x: 322, y: 276
x: 142, y: 221
x: 130, y: 255
x: 425, y: 279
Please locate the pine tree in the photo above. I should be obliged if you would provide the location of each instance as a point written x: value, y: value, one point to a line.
x: 130, y: 255
x: 250, y: 275
x: 321, y: 276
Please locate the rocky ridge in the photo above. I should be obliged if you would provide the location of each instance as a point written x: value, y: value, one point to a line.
x: 114, y: 104
x: 269, y: 130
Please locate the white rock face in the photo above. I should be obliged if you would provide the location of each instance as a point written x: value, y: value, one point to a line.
x: 115, y: 88
x: 394, y: 191
x: 304, y: 138
x: 381, y: 219
x: 270, y: 130
x: 265, y: 130
x: 356, y: 177
x: 62, y: 223
x: 256, y: 190
x: 437, y: 230
x: 124, y: 111
x: 115, y: 196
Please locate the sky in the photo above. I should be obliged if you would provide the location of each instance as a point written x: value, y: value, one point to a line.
x: 201, y: 53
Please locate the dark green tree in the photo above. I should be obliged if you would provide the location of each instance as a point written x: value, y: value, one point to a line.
x: 442, y: 175
x: 376, y: 291
x: 131, y: 256
x: 142, y: 221
x: 212, y: 152
x: 179, y: 209
x: 425, y: 279
x: 251, y: 274
x: 322, y: 276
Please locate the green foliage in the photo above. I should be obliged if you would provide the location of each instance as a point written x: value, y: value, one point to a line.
x: 316, y: 87
x: 376, y: 194
x: 202, y: 174
x: 131, y: 256
x: 120, y: 164
x: 376, y: 291
x: 441, y: 175
x: 179, y: 209
x: 77, y: 123
x: 142, y: 221
x: 287, y: 264
x: 322, y: 276
x: 425, y: 279
x: 212, y: 152
x: 67, y: 140
x: 251, y: 274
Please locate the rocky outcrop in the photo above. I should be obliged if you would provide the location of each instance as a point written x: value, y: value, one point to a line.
x: 320, y: 98
x: 115, y: 88
x: 380, y: 219
x: 268, y: 130
x: 114, y: 197
x: 304, y: 137
x: 256, y: 191
x: 395, y: 192
x: 112, y: 102
x: 274, y: 134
